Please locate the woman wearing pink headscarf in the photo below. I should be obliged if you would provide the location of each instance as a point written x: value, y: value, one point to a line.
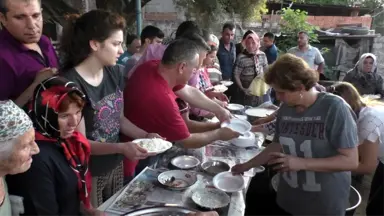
x: 249, y: 64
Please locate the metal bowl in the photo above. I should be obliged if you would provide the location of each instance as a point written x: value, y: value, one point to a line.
x: 211, y: 199
x: 215, y: 167
x: 160, y: 211
x: 185, y: 162
x: 177, y: 179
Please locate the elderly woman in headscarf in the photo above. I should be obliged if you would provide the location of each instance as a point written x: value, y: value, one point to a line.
x: 364, y: 76
x: 17, y: 145
x: 251, y: 63
x: 59, y: 182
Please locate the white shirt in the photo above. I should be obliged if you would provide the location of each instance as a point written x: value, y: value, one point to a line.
x: 371, y: 127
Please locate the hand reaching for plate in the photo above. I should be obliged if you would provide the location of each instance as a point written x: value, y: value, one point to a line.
x: 239, y: 169
x: 211, y: 213
x: 227, y: 134
x: 223, y: 114
x: 132, y: 151
x: 154, y: 135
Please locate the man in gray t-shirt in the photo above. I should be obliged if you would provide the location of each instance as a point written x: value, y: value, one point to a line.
x: 318, y: 132
x: 308, y: 53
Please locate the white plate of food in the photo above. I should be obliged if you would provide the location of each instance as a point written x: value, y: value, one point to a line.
x: 220, y: 88
x: 210, y: 198
x: 226, y: 83
x: 154, y: 146
x: 177, y: 179
x: 228, y: 182
x: 238, y: 125
x: 185, y: 162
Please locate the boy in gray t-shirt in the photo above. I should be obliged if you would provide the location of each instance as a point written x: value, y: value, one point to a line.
x: 318, y: 132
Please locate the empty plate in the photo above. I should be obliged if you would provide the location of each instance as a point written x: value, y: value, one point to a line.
x: 238, y: 125
x: 259, y: 112
x: 185, y: 162
x: 259, y: 169
x: 235, y: 107
x: 210, y: 198
x: 177, y: 179
x: 228, y: 182
x: 226, y: 83
x: 275, y: 181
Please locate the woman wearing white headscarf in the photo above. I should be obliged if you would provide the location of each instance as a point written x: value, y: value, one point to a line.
x: 17, y: 145
x: 364, y: 76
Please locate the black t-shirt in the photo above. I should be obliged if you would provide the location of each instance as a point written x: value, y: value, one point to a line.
x: 50, y: 186
x: 102, y: 114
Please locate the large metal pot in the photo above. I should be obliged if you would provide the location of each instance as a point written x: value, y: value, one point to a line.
x: 160, y: 211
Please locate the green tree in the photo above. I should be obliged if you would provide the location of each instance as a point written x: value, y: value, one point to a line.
x: 55, y: 10
x: 292, y: 22
x: 207, y: 12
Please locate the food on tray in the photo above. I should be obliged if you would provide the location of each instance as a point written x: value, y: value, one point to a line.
x: 154, y: 145
x: 220, y: 88
x: 176, y: 184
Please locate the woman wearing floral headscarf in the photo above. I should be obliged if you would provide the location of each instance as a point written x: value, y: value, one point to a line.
x: 58, y: 182
x: 17, y: 146
x: 249, y: 64
x: 364, y: 76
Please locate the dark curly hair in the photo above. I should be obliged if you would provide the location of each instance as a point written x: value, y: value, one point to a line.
x: 94, y: 25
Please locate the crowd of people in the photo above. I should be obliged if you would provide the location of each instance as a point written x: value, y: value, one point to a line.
x: 68, y: 116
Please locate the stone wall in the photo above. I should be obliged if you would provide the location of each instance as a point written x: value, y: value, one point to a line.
x: 378, y: 50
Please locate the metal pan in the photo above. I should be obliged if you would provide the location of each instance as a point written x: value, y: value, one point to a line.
x: 215, y: 167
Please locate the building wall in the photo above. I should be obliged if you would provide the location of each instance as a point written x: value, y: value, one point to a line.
x: 378, y: 50
x: 326, y: 22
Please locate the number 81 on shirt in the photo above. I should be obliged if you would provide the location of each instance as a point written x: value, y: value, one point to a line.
x: 292, y: 177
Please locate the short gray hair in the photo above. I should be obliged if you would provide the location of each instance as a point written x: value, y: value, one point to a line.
x: 6, y: 148
x: 3, y: 5
x: 180, y: 50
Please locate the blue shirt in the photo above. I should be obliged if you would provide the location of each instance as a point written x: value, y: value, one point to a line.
x: 271, y: 53
x: 226, y: 59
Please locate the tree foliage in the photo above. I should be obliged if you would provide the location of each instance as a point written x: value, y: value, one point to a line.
x: 55, y: 10
x: 294, y: 21
x: 210, y: 11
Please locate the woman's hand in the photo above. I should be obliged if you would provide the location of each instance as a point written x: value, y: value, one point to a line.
x: 154, y: 135
x: 239, y: 169
x: 227, y: 134
x: 246, y: 91
x: 264, y: 120
x: 132, y: 151
x: 286, y: 163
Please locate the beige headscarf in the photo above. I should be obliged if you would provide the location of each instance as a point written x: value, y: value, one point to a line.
x: 13, y: 121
